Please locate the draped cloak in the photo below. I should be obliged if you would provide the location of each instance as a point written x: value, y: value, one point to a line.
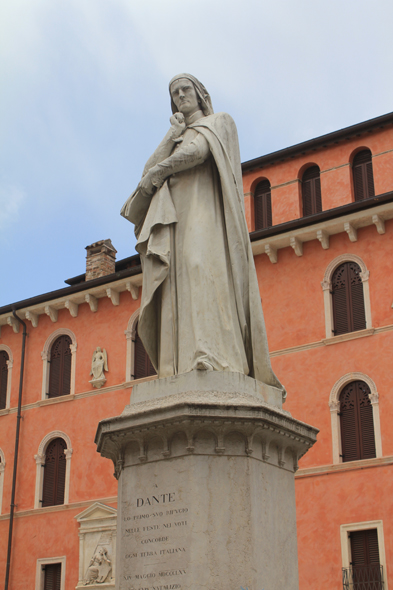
x: 162, y: 320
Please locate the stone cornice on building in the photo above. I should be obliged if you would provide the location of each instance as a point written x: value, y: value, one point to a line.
x: 70, y: 298
x: 321, y: 229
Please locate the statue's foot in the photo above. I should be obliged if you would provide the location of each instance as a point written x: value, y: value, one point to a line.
x: 204, y: 366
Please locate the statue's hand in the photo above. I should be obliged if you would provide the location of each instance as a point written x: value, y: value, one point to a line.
x: 178, y: 125
x: 146, y: 187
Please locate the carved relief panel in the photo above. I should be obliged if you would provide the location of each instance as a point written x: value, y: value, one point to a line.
x: 97, y: 547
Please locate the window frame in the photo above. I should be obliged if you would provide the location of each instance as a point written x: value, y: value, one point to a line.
x: 264, y: 204
x: 10, y: 364
x: 326, y: 285
x: 345, y: 529
x: 334, y: 405
x: 40, y: 575
x: 40, y: 462
x: 130, y: 334
x: 353, y: 165
x: 311, y: 181
x: 45, y: 355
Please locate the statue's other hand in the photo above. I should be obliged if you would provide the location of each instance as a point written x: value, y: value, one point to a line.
x: 178, y: 125
x: 146, y: 186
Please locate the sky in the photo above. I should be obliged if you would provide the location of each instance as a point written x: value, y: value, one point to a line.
x: 84, y: 102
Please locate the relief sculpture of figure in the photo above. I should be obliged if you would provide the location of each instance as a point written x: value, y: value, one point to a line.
x: 201, y: 308
x: 99, y: 568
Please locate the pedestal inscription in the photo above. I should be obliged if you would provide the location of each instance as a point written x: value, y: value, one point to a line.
x: 155, y: 545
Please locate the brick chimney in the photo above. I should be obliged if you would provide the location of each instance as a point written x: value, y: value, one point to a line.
x: 100, y: 259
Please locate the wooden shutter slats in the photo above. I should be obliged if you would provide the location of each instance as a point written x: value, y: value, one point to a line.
x: 142, y: 364
x: 60, y: 367
x: 356, y: 421
x: 364, y: 548
x: 52, y: 577
x: 54, y: 473
x: 263, y: 205
x: 3, y: 378
x: 311, y: 191
x: 348, y: 299
x: 363, y: 177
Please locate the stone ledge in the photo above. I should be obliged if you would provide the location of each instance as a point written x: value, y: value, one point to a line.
x: 343, y: 467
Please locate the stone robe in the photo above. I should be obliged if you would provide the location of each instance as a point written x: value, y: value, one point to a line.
x: 200, y: 297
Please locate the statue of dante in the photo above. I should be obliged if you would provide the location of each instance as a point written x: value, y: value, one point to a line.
x: 201, y: 307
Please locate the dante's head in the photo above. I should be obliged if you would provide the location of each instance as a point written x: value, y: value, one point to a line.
x: 189, y: 95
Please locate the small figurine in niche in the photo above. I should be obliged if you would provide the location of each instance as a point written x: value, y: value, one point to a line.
x: 99, y: 364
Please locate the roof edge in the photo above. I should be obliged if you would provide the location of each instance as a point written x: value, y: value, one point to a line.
x: 318, y: 142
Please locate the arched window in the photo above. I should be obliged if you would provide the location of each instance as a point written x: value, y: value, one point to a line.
x: 311, y: 191
x: 54, y: 473
x: 142, y: 364
x: 356, y: 422
x: 263, y: 205
x: 4, y: 358
x: 348, y: 299
x: 60, y: 367
x: 363, y: 178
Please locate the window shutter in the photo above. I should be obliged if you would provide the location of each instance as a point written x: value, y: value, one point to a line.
x: 263, y: 205
x: 54, y: 473
x: 311, y: 191
x: 60, y: 367
x: 364, y: 547
x: 142, y: 364
x: 363, y: 178
x: 367, y: 437
x: 3, y: 378
x: 349, y: 424
x: 348, y: 299
x: 52, y: 578
x: 357, y: 424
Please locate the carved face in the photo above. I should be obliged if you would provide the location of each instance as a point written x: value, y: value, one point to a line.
x: 184, y: 96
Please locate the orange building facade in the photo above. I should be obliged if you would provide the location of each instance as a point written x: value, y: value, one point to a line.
x: 344, y: 499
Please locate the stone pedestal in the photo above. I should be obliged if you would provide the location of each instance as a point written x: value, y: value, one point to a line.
x: 206, y: 485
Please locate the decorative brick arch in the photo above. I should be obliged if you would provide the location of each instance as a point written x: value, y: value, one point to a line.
x: 327, y: 287
x: 10, y: 364
x: 45, y: 355
x: 40, y: 461
x: 334, y: 405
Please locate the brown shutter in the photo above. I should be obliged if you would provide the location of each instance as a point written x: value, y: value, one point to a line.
x: 142, y: 364
x: 54, y: 473
x: 349, y: 424
x: 60, y: 367
x: 348, y: 299
x: 364, y: 547
x: 311, y: 191
x: 363, y: 178
x: 357, y: 424
x: 3, y: 378
x: 367, y: 436
x: 52, y: 578
x: 263, y: 205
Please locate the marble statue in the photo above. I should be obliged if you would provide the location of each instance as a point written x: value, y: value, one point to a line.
x: 201, y: 308
x: 99, y: 364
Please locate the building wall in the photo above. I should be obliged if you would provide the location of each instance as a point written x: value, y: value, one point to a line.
x: 293, y: 304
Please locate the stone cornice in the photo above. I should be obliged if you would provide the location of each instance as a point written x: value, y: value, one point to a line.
x: 322, y: 230
x: 90, y: 295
